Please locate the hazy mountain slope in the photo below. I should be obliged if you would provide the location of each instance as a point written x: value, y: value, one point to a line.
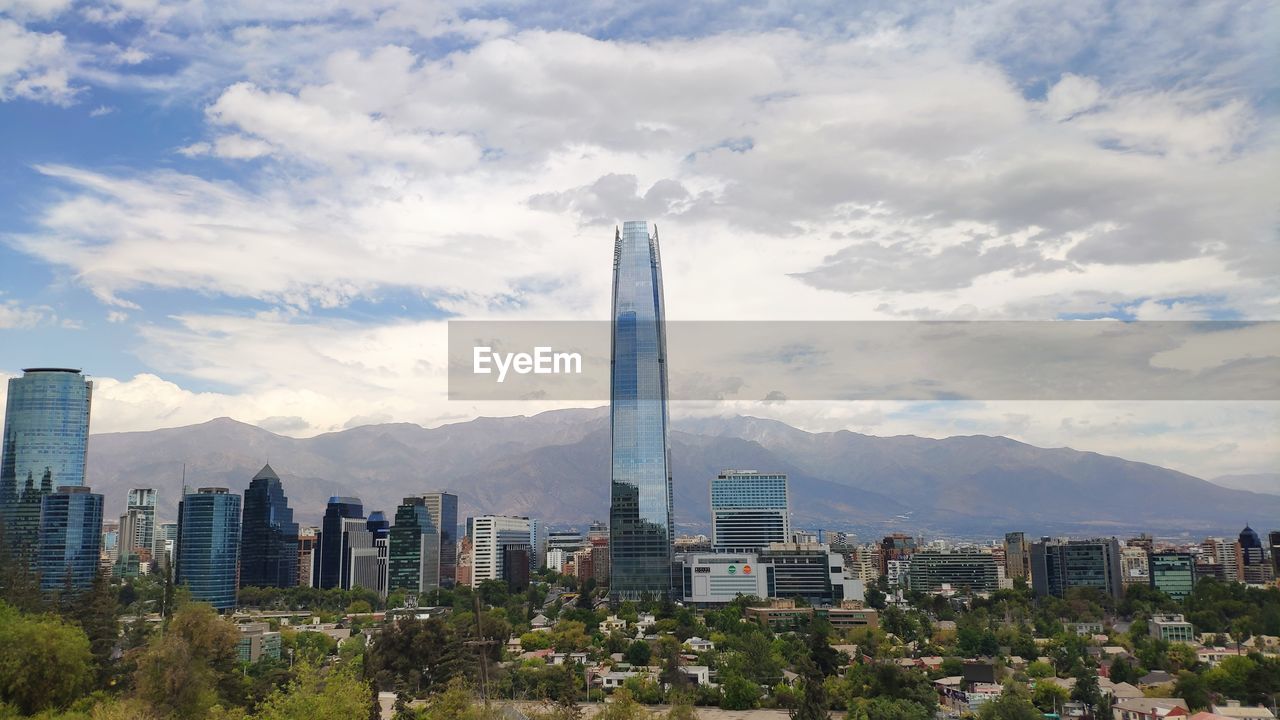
x: 555, y: 466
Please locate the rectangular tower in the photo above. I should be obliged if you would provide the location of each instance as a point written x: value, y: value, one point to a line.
x: 749, y: 510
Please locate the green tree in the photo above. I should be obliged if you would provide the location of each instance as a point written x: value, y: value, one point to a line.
x: 1049, y: 697
x: 814, y: 704
x: 639, y: 652
x: 192, y: 665
x: 622, y: 706
x: 44, y: 662
x: 1009, y: 707
x: 1192, y: 688
x: 417, y: 656
x: 884, y: 708
x: 337, y: 695
x: 95, y: 612
x: 739, y: 693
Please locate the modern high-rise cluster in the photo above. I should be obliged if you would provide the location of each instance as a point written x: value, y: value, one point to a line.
x: 48, y: 517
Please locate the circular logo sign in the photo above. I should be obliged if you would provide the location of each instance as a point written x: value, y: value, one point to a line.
x: 733, y: 569
x: 746, y: 569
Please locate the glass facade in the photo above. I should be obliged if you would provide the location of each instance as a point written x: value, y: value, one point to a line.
x: 749, y: 510
x: 46, y: 439
x: 1058, y: 566
x: 209, y: 546
x: 70, y: 538
x: 1173, y: 573
x: 269, y: 536
x: 332, y: 565
x: 640, y: 522
x: 413, y: 562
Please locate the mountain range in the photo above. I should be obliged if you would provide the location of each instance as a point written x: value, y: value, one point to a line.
x: 555, y: 466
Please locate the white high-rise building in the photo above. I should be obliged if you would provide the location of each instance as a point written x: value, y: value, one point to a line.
x: 489, y: 535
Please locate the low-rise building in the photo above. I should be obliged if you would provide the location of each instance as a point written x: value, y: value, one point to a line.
x: 1171, y: 628
x: 258, y: 640
x: 1150, y: 709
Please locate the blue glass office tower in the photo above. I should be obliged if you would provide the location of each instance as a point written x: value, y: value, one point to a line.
x: 209, y: 546
x: 70, y: 538
x: 332, y: 565
x: 269, y: 536
x: 46, y: 440
x: 640, y: 528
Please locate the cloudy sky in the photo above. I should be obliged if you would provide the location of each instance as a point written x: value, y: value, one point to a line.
x: 269, y: 210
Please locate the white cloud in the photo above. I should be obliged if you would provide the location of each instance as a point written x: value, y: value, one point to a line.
x: 16, y: 315
x: 854, y: 167
x: 34, y: 65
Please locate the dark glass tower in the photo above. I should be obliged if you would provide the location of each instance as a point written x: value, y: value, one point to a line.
x: 333, y: 564
x: 70, y: 538
x: 640, y: 528
x: 413, y: 561
x: 209, y: 546
x: 269, y: 536
x: 46, y: 440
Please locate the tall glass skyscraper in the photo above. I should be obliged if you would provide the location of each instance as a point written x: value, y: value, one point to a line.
x: 70, y: 538
x: 640, y: 523
x: 209, y: 545
x: 333, y: 570
x: 413, y: 561
x: 269, y: 536
x: 749, y: 510
x: 46, y: 440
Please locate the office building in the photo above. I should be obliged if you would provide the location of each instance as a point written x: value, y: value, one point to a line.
x: 258, y: 640
x: 415, y: 556
x: 539, y: 540
x: 380, y: 528
x: 515, y: 566
x: 966, y: 570
x: 1171, y: 628
x: 45, y: 444
x: 69, y: 538
x: 489, y: 535
x: 166, y: 537
x: 360, y: 568
x: 783, y: 570
x: 749, y: 510
x: 1059, y: 565
x: 208, y: 546
x: 269, y: 537
x: 1254, y: 568
x: 142, y: 503
x: 640, y: 518
x: 1017, y: 555
x: 443, y: 508
x: 568, y: 540
x: 1226, y: 557
x: 1273, y: 540
x: 1173, y: 573
x: 332, y: 565
x: 898, y: 546
x: 308, y: 538
x: 1135, y: 565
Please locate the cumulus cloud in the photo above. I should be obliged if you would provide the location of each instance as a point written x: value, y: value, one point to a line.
x: 34, y: 65
x: 987, y: 160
